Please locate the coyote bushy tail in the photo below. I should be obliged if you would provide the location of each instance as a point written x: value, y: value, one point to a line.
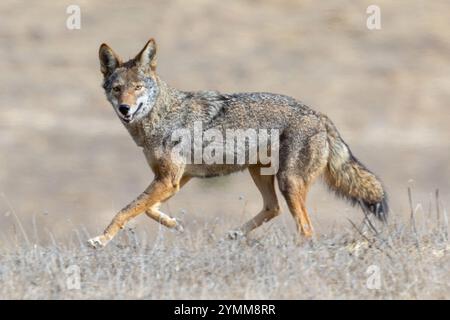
x: 350, y: 179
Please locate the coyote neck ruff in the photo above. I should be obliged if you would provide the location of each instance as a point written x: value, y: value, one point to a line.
x: 308, y: 145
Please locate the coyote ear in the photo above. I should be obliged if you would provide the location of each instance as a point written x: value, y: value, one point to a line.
x: 147, y: 56
x: 109, y: 61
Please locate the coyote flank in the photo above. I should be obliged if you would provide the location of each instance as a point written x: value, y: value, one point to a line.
x: 309, y: 144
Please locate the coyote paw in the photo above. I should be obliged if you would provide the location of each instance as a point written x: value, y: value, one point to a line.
x: 97, y: 242
x: 235, y: 234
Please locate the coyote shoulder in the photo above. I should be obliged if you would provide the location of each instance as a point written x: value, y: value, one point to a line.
x: 308, y: 144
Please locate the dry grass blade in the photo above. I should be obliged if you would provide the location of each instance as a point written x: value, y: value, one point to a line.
x: 371, y: 241
x: 412, y: 217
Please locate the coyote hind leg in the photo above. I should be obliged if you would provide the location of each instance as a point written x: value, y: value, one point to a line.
x: 294, y: 191
x: 304, y: 160
x: 271, y: 208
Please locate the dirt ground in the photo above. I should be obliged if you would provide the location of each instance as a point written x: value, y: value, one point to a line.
x: 66, y: 162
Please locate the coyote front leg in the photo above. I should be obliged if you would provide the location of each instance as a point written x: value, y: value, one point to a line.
x: 158, y: 191
x: 154, y: 213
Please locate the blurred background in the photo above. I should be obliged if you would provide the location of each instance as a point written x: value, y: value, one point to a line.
x: 66, y: 161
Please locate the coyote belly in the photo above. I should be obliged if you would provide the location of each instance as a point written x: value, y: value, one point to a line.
x: 299, y: 145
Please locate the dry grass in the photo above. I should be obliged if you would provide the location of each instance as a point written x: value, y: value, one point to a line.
x: 413, y: 259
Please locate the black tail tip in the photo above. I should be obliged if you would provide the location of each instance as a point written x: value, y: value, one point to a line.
x: 379, y: 209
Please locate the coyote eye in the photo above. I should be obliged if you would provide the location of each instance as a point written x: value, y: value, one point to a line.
x: 138, y: 87
x: 116, y: 89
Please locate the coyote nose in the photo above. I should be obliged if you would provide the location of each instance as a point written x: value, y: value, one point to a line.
x: 124, y: 108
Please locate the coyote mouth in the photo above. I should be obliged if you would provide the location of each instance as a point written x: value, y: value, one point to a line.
x: 130, y: 118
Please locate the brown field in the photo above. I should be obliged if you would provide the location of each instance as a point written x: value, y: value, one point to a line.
x: 67, y: 164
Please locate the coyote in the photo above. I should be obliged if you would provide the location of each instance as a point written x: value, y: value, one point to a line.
x: 309, y: 145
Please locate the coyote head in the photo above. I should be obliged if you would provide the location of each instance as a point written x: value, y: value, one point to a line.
x: 131, y: 87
